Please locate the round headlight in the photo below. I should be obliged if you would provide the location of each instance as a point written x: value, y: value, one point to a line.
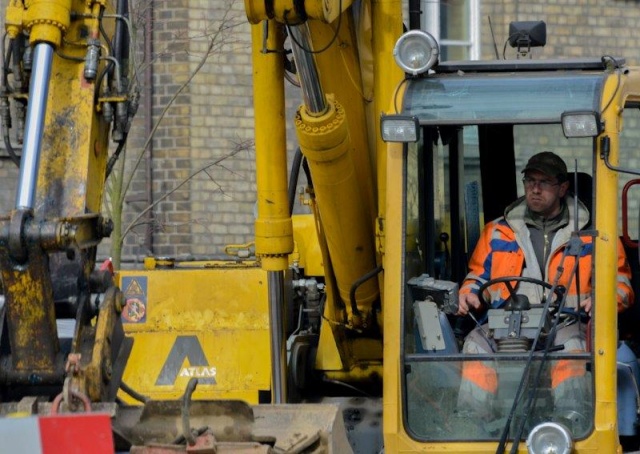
x: 416, y: 52
x: 549, y: 438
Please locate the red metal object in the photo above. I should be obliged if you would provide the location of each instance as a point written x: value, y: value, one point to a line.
x: 76, y: 434
x: 626, y: 239
x: 81, y: 433
x: 107, y: 265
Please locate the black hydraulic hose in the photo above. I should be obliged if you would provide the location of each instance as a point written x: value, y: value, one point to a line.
x: 307, y: 172
x: 121, y: 37
x: 7, y: 143
x: 103, y: 31
x: 115, y: 155
x: 101, y: 76
x: 133, y: 393
x: 6, y: 61
x: 293, y: 179
x: 120, y: 46
x: 358, y: 282
x: 186, y: 404
x: 110, y: 64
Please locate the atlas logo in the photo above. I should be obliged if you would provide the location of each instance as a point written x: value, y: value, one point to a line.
x: 189, y: 348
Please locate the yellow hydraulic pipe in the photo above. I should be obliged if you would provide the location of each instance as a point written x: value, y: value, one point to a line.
x: 343, y: 61
x: 325, y: 142
x: 273, y: 228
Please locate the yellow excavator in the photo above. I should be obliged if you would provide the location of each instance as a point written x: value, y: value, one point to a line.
x: 341, y: 334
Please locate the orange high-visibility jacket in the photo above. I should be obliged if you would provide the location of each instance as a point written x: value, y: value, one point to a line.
x: 504, y: 249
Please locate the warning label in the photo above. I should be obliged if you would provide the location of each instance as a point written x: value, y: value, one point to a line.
x: 135, y: 295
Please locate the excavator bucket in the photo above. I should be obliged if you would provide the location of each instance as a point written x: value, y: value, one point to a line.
x: 230, y: 426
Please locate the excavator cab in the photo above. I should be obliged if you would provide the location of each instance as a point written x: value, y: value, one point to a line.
x: 460, y: 136
x: 517, y: 328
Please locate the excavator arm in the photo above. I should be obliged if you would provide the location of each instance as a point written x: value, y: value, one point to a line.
x: 343, y: 91
x: 64, y: 85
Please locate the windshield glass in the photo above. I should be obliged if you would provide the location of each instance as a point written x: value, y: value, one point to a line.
x: 500, y: 98
x: 437, y: 411
x: 447, y: 203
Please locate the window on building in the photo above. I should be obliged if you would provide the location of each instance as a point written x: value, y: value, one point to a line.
x: 456, y: 26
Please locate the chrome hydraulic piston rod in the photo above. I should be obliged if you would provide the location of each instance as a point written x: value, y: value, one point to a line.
x: 312, y: 93
x: 38, y: 94
x: 278, y: 351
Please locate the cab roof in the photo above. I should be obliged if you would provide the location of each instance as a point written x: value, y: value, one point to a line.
x: 585, y: 64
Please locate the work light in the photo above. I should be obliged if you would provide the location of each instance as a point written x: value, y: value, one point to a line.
x: 549, y: 438
x: 416, y: 52
x: 399, y: 128
x: 581, y: 124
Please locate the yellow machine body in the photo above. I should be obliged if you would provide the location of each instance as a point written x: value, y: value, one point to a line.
x: 206, y: 320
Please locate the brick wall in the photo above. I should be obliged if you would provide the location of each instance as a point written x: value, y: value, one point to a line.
x: 212, y: 117
x: 206, y: 136
x: 575, y: 28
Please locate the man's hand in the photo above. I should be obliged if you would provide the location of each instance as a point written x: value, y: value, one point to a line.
x: 585, y: 305
x: 467, y: 301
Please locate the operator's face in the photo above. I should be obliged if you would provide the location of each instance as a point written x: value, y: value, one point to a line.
x: 543, y: 193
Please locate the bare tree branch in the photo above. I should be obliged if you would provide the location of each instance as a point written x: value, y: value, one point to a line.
x: 212, y: 42
x: 218, y: 40
x: 239, y: 147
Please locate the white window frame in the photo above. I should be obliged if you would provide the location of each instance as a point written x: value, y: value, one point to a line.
x: 431, y: 23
